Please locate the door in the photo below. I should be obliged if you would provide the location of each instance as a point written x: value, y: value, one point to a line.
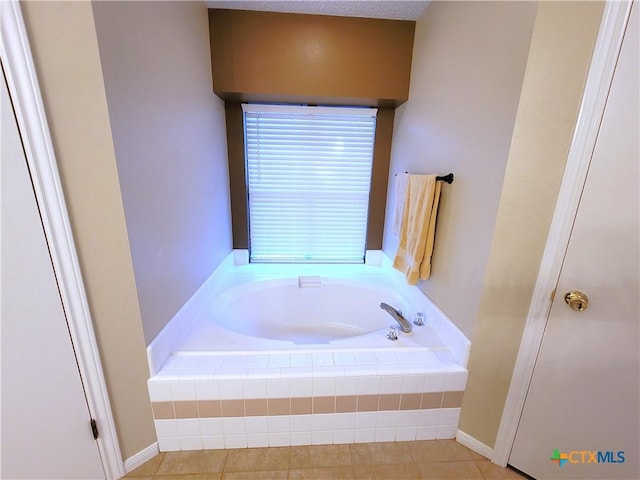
x: 581, y: 415
x: 44, y: 418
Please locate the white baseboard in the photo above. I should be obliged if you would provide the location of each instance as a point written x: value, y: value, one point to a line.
x: 141, y: 457
x: 475, y: 445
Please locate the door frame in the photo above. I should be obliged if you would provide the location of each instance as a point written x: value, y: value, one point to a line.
x: 601, y: 70
x: 25, y: 92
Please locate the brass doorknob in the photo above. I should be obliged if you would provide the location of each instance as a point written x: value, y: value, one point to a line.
x: 576, y: 300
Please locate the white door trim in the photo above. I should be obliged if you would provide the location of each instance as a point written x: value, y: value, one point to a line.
x: 603, y: 63
x: 30, y: 115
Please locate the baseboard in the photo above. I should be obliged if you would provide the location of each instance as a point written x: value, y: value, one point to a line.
x: 141, y: 457
x: 475, y: 445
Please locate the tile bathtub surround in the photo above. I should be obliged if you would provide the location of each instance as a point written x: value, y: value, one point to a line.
x: 339, y: 419
x: 306, y: 405
x: 382, y: 398
x: 284, y: 397
x: 306, y: 429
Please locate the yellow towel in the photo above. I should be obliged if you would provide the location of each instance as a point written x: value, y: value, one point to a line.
x: 401, y: 192
x: 418, y: 228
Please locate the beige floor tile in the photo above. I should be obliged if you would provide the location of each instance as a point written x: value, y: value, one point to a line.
x: 406, y: 471
x: 425, y: 451
x: 251, y: 459
x: 380, y: 453
x: 491, y: 471
x: 148, y: 468
x: 449, y: 471
x: 327, y: 473
x: 477, y: 456
x: 434, y: 459
x: 263, y: 475
x: 201, y: 461
x: 320, y: 456
x: 191, y: 476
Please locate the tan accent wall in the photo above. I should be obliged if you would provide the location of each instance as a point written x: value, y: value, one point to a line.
x: 64, y: 45
x: 469, y: 61
x: 170, y: 143
x: 237, y: 180
x: 265, y: 56
x: 561, y: 50
x: 237, y: 177
x: 379, y: 177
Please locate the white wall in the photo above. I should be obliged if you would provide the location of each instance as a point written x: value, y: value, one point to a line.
x: 469, y: 60
x: 63, y: 42
x: 169, y: 136
x: 563, y: 39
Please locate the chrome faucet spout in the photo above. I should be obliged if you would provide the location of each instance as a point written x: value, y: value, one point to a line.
x: 405, y: 326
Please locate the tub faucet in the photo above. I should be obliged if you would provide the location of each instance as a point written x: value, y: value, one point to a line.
x: 405, y: 326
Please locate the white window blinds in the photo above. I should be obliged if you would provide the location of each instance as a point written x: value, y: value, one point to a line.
x: 308, y: 179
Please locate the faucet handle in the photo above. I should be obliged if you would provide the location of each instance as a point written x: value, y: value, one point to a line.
x: 392, y: 333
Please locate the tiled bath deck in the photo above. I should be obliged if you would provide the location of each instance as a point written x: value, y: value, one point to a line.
x: 216, y: 401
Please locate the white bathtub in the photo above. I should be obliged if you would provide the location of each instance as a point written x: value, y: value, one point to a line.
x: 304, y: 310
x: 275, y: 308
x: 276, y: 355
x: 249, y: 308
x: 302, y: 313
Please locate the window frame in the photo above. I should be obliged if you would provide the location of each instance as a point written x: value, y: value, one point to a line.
x: 237, y: 183
x: 302, y: 121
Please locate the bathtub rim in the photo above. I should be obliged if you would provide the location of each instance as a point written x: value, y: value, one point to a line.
x: 169, y: 338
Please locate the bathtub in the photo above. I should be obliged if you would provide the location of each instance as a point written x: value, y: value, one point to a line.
x: 273, y: 355
x: 303, y: 312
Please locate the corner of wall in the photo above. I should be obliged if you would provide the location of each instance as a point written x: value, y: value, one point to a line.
x: 561, y: 47
x: 444, y: 127
x: 64, y: 45
x: 173, y: 173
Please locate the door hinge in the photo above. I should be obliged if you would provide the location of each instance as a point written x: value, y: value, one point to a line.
x: 94, y: 428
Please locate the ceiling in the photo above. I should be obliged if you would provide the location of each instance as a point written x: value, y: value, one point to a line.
x: 390, y: 9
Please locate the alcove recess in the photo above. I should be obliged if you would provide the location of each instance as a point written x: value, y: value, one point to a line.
x: 314, y: 60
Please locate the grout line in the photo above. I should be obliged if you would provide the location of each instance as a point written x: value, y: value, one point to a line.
x: 155, y: 472
x: 224, y: 465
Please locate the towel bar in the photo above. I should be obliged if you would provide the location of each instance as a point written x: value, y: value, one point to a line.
x: 445, y: 178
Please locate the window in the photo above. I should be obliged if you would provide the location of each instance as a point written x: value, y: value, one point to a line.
x: 308, y: 180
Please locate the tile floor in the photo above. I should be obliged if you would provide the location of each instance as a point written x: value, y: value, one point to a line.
x: 424, y: 459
